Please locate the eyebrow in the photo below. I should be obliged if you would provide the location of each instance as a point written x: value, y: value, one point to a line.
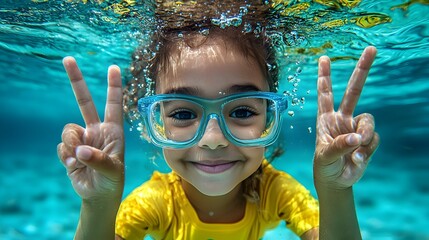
x: 195, y: 91
x: 183, y: 90
x: 243, y: 88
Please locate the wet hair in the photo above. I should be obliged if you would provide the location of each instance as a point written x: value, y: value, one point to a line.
x: 248, y: 45
x: 149, y: 61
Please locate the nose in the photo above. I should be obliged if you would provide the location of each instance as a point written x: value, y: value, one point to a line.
x: 213, y: 137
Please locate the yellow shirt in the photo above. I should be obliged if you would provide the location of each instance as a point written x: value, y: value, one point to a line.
x: 160, y: 208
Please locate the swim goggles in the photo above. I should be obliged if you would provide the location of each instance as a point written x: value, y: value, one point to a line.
x: 249, y: 119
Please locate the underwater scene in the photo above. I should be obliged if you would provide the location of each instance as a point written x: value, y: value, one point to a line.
x: 37, y: 200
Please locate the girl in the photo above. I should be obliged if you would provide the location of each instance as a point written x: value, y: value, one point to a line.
x: 213, y: 115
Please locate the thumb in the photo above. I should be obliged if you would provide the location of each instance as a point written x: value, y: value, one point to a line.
x: 99, y: 161
x: 342, y: 145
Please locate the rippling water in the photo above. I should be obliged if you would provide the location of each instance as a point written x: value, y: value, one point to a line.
x: 36, y: 101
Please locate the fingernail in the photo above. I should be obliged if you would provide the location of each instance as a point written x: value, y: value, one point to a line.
x: 83, y: 153
x: 354, y: 139
x: 70, y: 161
x: 358, y: 157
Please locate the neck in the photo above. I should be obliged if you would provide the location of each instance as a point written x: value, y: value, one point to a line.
x: 228, y: 208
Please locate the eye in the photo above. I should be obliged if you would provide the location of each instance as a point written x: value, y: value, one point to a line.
x: 182, y: 114
x: 242, y: 112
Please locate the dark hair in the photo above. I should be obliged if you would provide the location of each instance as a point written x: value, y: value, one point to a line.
x: 149, y: 61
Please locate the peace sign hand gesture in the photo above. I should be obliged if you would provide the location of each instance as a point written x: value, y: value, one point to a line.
x: 94, y: 156
x: 344, y: 144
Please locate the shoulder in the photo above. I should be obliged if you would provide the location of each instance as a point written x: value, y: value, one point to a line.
x: 283, y: 197
x: 154, y: 193
x: 159, y: 183
x: 273, y: 177
x: 280, y: 185
x: 148, y: 207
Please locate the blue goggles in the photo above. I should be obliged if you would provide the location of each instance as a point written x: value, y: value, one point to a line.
x: 249, y: 119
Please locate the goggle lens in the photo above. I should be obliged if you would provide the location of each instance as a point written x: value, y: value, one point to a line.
x: 181, y: 120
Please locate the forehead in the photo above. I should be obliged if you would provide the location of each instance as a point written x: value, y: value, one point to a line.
x: 214, y: 66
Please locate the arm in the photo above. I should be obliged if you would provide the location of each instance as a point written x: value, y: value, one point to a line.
x: 312, y: 234
x: 97, y: 219
x: 338, y: 218
x: 344, y: 145
x: 94, y: 155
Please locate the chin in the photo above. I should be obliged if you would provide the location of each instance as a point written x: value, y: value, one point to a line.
x: 215, y: 189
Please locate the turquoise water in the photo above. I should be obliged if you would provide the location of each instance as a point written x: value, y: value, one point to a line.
x: 36, y: 198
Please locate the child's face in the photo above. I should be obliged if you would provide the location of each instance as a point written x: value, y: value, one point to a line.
x: 214, y: 166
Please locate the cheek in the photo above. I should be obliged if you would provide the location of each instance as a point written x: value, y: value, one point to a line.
x: 173, y: 157
x: 256, y: 154
x: 169, y: 158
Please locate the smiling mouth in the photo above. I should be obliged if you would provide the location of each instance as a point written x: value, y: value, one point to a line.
x: 214, y: 168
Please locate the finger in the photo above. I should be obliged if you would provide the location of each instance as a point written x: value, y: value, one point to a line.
x: 340, y: 146
x: 113, y: 111
x: 365, y: 127
x: 325, y: 98
x: 64, y: 152
x: 81, y: 92
x: 364, y: 153
x: 72, y: 166
x: 357, y: 80
x: 72, y: 135
x: 68, y: 159
x: 99, y: 161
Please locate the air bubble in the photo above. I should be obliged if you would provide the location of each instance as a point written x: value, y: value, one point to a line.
x: 270, y: 67
x: 243, y: 10
x: 205, y: 31
x: 247, y: 28
x: 295, y: 101
x: 216, y: 21
x: 286, y: 93
x: 258, y: 29
x: 140, y: 127
x: 236, y: 21
x: 309, y: 130
x: 291, y: 113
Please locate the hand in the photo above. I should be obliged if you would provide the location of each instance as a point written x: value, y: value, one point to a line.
x: 344, y: 144
x: 94, y: 156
